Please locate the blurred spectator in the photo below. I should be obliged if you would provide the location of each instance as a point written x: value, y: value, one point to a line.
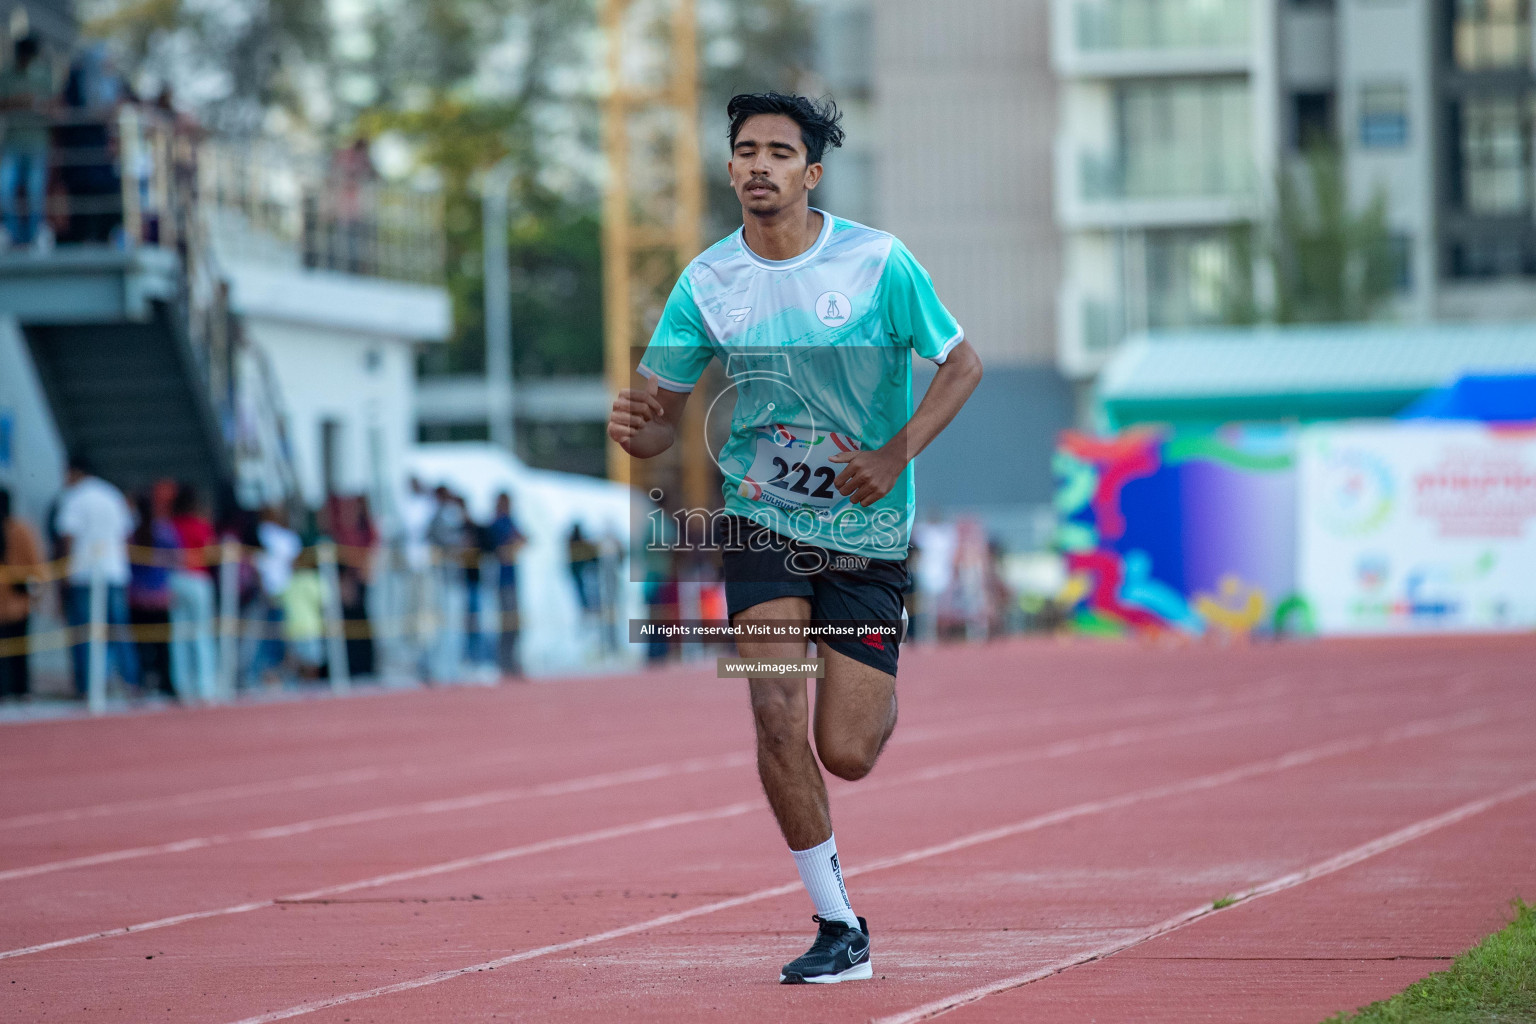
x: 661, y: 600
x: 933, y: 573
x: 447, y: 535
x: 21, y: 559
x: 478, y: 648
x: 584, y: 570
x: 149, y: 590
x: 304, y: 622
x: 280, y: 547
x: 415, y: 521
x: 416, y: 513
x: 446, y: 528
x: 85, y: 147
x: 93, y: 523
x: 352, y: 175
x: 26, y: 92
x: 193, y: 654
x: 610, y: 580
x: 506, y: 540
x: 350, y: 524
x: 185, y: 133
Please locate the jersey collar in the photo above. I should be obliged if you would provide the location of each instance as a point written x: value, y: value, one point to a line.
x: 797, y: 261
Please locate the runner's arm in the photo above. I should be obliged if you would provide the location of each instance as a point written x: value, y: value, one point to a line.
x: 953, y: 382
x: 870, y: 475
x: 643, y: 422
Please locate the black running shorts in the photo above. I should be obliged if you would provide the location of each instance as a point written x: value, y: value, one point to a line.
x: 760, y: 565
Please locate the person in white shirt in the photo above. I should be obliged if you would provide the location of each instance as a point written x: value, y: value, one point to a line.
x: 93, y: 522
x: 417, y: 511
x: 280, y: 547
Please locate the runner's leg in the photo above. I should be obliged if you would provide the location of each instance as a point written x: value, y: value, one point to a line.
x: 781, y: 713
x: 855, y: 714
x: 788, y: 768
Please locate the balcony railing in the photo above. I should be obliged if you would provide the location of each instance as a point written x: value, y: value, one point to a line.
x: 268, y: 204
x: 1115, y: 25
x: 1169, y: 174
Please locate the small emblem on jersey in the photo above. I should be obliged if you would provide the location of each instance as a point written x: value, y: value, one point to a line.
x: 833, y: 308
x: 738, y: 314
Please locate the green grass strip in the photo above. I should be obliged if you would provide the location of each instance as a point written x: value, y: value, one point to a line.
x: 1494, y: 982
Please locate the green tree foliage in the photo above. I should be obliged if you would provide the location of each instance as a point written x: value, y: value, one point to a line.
x: 748, y: 46
x: 235, y: 62
x: 1327, y: 262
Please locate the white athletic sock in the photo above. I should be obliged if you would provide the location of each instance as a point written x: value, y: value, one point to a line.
x: 823, y: 879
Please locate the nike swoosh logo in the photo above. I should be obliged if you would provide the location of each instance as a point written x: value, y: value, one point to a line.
x: 854, y: 957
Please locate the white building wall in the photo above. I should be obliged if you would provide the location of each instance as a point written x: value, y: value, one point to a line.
x: 1387, y: 44
x: 363, y: 383
x: 965, y: 107
x: 342, y: 350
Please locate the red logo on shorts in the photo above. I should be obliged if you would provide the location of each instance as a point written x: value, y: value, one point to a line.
x: 872, y: 639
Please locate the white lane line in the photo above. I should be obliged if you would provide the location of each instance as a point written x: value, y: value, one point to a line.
x: 444, y: 805
x: 1201, y: 701
x: 1336, y: 863
x: 1059, y: 749
x: 1254, y: 769
x: 244, y: 791
x: 439, y: 806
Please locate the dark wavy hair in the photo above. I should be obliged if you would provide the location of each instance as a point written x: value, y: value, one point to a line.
x: 819, y: 120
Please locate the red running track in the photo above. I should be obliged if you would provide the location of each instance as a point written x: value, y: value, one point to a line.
x: 1042, y: 841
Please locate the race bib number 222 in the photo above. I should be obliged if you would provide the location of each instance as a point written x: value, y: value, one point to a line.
x: 792, y: 472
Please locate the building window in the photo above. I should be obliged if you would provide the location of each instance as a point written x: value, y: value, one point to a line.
x: 1495, y: 155
x: 1312, y: 119
x: 1491, y: 34
x: 1161, y: 24
x: 1189, y: 138
x: 1492, y: 256
x: 1383, y: 115
x: 1190, y: 277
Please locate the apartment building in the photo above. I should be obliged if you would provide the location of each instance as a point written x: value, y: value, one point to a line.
x: 950, y: 114
x: 1176, y: 116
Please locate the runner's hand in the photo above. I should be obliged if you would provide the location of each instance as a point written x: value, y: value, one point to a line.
x: 632, y: 411
x: 870, y: 474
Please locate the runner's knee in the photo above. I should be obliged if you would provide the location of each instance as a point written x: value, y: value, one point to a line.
x: 850, y: 761
x: 780, y: 719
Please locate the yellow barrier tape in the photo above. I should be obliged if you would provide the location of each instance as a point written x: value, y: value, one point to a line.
x: 211, y: 557
x: 164, y: 633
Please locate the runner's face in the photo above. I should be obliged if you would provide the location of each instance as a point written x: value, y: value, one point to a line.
x: 768, y: 168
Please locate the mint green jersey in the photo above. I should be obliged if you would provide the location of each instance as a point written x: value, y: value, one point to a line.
x: 818, y: 350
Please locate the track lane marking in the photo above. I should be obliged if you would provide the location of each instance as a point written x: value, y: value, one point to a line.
x: 440, y: 805
x: 1058, y: 749
x: 489, y: 797
x: 467, y: 802
x: 1339, y: 862
x: 1266, y: 689
x: 1254, y: 769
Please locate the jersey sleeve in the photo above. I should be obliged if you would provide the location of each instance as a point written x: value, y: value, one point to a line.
x: 912, y: 313
x: 679, y: 348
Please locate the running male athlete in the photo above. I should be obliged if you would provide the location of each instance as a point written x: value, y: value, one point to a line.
x: 816, y: 319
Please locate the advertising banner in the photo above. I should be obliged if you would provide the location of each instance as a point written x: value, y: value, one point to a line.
x: 1417, y: 527
x: 1181, y: 533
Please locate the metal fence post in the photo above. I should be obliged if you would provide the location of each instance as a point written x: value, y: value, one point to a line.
x: 128, y: 144
x: 335, y: 627
x: 229, y: 618
x: 96, y: 634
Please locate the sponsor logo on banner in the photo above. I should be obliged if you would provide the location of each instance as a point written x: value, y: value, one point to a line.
x: 1417, y: 527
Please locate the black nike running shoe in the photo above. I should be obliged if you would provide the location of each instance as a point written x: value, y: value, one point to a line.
x: 840, y: 953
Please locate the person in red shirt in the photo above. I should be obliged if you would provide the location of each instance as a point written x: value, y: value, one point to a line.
x: 194, y: 666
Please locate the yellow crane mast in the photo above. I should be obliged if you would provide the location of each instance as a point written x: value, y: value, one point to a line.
x: 653, y: 202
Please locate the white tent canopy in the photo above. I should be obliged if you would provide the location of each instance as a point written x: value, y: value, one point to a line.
x: 545, y: 504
